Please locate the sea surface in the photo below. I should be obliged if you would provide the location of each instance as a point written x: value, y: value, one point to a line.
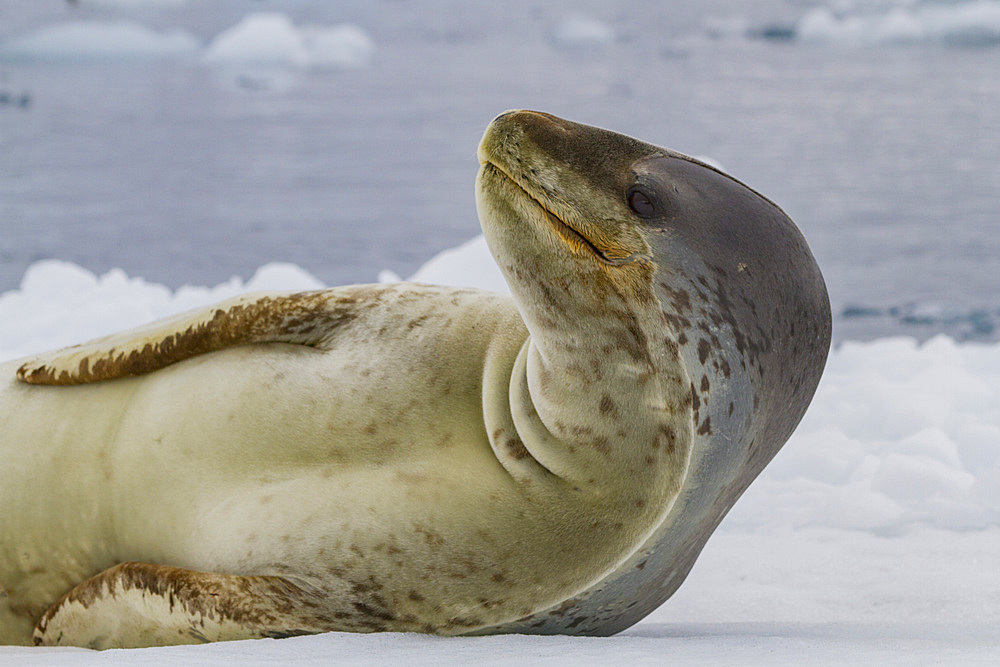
x: 882, y: 143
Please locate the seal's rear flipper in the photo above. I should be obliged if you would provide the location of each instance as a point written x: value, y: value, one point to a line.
x: 305, y: 318
x: 136, y: 605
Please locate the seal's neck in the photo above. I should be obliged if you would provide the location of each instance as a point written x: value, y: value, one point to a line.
x: 598, y: 402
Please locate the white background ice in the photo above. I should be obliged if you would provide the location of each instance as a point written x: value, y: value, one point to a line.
x: 265, y: 39
x: 579, y: 31
x: 99, y: 40
x: 270, y: 38
x: 966, y: 22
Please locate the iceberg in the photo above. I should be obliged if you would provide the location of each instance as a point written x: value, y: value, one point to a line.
x: 272, y: 39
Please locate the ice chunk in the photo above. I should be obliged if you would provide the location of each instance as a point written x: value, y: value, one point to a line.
x: 914, y: 479
x: 99, y: 40
x: 342, y: 45
x: 468, y: 265
x: 386, y: 276
x: 960, y: 23
x: 132, y: 4
x: 265, y: 38
x: 283, y: 276
x: 271, y: 39
x: 578, y: 31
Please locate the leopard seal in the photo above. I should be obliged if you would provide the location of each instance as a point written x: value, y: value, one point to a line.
x: 419, y: 458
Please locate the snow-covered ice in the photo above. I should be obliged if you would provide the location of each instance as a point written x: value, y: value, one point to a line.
x: 344, y: 45
x: 975, y: 22
x: 132, y: 4
x: 874, y: 535
x: 579, y: 31
x: 272, y: 39
x: 99, y: 40
x: 268, y: 38
x: 262, y: 39
x: 467, y: 265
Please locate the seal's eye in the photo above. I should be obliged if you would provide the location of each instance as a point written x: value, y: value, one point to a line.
x: 641, y: 203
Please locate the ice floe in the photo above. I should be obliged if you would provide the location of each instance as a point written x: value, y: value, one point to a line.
x: 272, y: 39
x: 99, y: 40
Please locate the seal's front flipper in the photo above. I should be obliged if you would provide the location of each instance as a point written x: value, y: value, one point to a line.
x: 136, y: 605
x: 305, y: 318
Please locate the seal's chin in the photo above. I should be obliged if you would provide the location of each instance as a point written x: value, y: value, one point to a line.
x: 575, y: 239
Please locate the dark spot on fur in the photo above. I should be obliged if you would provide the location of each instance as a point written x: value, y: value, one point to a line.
x: 703, y: 349
x: 431, y: 537
x: 412, y: 324
x: 373, y: 612
x: 517, y: 449
x: 665, y: 436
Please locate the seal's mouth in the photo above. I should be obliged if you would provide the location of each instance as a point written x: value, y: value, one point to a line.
x: 570, y: 235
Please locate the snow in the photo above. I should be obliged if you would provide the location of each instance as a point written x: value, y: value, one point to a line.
x: 99, y: 40
x: 966, y: 23
x: 270, y: 38
x: 874, y: 535
x: 898, y: 436
x: 468, y: 265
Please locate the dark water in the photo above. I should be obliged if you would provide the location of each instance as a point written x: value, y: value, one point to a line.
x: 887, y: 157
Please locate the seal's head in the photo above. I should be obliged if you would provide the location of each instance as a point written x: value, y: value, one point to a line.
x: 735, y: 287
x: 550, y: 196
